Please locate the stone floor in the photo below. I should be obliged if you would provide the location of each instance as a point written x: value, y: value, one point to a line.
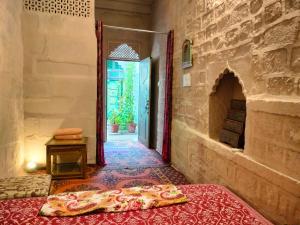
x: 121, y: 135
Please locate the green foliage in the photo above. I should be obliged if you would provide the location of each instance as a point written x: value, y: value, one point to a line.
x: 126, y: 110
x: 114, y: 118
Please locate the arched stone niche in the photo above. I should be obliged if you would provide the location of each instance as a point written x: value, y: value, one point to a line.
x: 227, y: 88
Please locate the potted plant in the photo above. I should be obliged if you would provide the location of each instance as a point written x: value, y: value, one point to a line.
x: 130, y: 123
x: 126, y: 103
x: 114, y: 120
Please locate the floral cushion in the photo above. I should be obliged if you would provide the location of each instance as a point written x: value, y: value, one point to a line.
x: 125, y: 199
x: 25, y: 186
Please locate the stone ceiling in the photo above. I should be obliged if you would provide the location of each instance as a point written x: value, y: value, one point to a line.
x: 129, y: 6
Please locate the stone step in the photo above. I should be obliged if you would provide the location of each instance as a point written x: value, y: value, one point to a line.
x: 237, y: 115
x: 238, y: 104
x: 235, y: 126
x: 229, y: 137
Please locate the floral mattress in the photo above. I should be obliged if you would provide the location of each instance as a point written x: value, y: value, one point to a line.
x: 125, y: 199
x: 25, y: 186
x: 208, y: 204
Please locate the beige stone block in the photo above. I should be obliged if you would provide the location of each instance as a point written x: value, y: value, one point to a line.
x: 273, y: 11
x: 45, y: 67
x: 292, y: 165
x: 207, y: 46
x: 255, y: 6
x: 240, y: 12
x: 87, y: 124
x: 232, y: 37
x: 31, y: 126
x: 207, y: 18
x: 282, y: 105
x: 258, y: 21
x: 63, y: 49
x: 282, y: 33
x: 200, y: 7
x: 64, y: 25
x: 246, y: 183
x: 37, y: 89
x: 211, y: 31
x: 246, y: 30
x: 47, y: 126
x: 223, y: 23
x: 287, y: 208
x: 195, y: 153
x: 292, y: 5
x: 281, y: 85
x: 54, y: 106
x: 275, y: 61
x: 220, y: 10
x: 295, y: 61
x: 269, y: 196
x: 78, y: 86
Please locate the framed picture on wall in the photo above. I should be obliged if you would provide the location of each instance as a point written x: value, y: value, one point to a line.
x: 187, y: 54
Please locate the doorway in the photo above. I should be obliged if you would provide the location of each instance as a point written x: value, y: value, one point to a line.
x: 122, y: 99
x: 128, y: 96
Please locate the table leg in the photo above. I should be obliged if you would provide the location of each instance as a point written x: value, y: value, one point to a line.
x: 48, y: 161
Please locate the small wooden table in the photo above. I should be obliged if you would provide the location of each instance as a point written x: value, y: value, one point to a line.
x: 67, y: 158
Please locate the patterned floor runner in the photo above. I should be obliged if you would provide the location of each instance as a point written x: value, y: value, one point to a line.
x: 99, y: 179
x: 129, y: 154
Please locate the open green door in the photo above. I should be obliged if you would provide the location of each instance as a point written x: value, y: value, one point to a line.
x: 144, y: 101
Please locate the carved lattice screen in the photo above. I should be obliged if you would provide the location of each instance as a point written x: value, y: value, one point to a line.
x: 123, y: 51
x: 79, y: 8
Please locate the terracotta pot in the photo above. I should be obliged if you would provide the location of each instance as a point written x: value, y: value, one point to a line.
x: 115, y: 128
x: 131, y: 127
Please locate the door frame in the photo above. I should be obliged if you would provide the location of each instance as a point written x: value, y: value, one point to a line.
x: 105, y: 89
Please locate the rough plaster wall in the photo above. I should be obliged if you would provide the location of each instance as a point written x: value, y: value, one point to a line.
x: 11, y: 88
x: 259, y: 41
x: 59, y: 79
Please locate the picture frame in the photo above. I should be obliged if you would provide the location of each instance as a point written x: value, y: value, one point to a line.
x: 187, y: 60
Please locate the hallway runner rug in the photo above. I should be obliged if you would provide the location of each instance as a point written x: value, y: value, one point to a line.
x: 104, y: 180
x: 130, y: 154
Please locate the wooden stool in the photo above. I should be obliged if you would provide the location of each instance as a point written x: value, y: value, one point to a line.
x: 60, y: 150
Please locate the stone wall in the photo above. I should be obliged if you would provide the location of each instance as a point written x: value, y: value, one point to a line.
x: 11, y: 88
x: 59, y: 78
x: 259, y: 41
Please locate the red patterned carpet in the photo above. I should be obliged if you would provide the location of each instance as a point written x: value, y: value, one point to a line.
x: 128, y: 164
x: 129, y: 154
x: 98, y: 179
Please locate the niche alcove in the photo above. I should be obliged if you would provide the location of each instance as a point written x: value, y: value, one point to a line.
x: 227, y: 111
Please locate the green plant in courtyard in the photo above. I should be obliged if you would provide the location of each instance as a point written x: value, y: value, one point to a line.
x: 114, y: 118
x: 126, y: 108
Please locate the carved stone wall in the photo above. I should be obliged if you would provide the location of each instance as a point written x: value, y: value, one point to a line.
x: 259, y: 41
x: 11, y: 89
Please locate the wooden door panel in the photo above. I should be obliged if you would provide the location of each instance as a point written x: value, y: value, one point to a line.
x: 144, y: 101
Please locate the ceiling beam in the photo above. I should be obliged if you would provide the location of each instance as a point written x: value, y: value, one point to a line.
x: 124, y: 6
